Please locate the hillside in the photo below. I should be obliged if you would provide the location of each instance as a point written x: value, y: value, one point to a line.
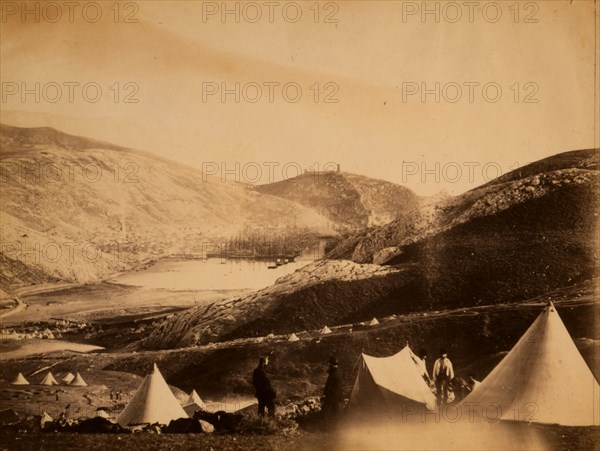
x: 77, y: 209
x: 315, y: 295
x: 299, y: 368
x: 561, y: 173
x: 350, y: 201
x: 576, y: 159
x: 504, y: 242
x: 15, y: 139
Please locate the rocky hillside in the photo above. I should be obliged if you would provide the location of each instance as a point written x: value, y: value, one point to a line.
x: 555, y: 176
x: 321, y: 292
x: 504, y: 242
x: 76, y: 209
x: 350, y: 201
x: 298, y: 369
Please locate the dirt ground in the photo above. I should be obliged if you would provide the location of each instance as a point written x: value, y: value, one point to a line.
x: 552, y: 438
x: 12, y: 441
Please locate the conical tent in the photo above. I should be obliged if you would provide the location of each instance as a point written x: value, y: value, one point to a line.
x: 293, y: 337
x: 326, y: 330
x: 68, y: 378
x: 20, y: 380
x: 373, y: 322
x: 78, y: 381
x: 391, y: 384
x: 194, y: 398
x: 153, y: 402
x: 49, y: 380
x: 193, y: 403
x: 542, y: 379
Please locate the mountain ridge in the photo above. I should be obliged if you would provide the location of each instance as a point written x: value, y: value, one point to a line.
x: 500, y: 243
x: 23, y: 137
x: 353, y: 201
x: 81, y: 213
x: 105, y: 208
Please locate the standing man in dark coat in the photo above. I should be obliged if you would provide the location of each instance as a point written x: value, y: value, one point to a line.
x: 332, y: 395
x: 264, y: 391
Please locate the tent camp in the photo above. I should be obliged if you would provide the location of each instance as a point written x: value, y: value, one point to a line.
x: 193, y: 403
x: 542, y: 379
x: 68, y: 378
x: 326, y: 330
x: 153, y: 402
x: 389, y: 384
x: 78, y: 381
x: 373, y: 322
x: 293, y: 337
x: 20, y: 380
x: 49, y: 380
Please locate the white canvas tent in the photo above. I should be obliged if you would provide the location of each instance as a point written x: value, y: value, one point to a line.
x: 68, y: 378
x: 102, y: 414
x: 153, y: 402
x: 193, y: 403
x: 20, y: 380
x: 373, y: 322
x: 326, y: 330
x: 49, y: 380
x: 388, y: 384
x: 78, y: 381
x: 293, y: 337
x: 542, y: 379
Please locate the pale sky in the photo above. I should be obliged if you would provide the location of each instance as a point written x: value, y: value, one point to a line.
x: 375, y: 61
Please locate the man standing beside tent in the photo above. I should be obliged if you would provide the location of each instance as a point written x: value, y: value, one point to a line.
x: 332, y: 394
x: 443, y: 373
x: 264, y: 391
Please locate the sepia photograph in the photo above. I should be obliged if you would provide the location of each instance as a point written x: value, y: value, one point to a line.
x: 299, y: 225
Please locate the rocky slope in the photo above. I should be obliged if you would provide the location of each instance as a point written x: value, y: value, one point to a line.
x: 295, y: 302
x: 560, y: 173
x: 350, y: 201
x: 504, y: 242
x: 77, y: 209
